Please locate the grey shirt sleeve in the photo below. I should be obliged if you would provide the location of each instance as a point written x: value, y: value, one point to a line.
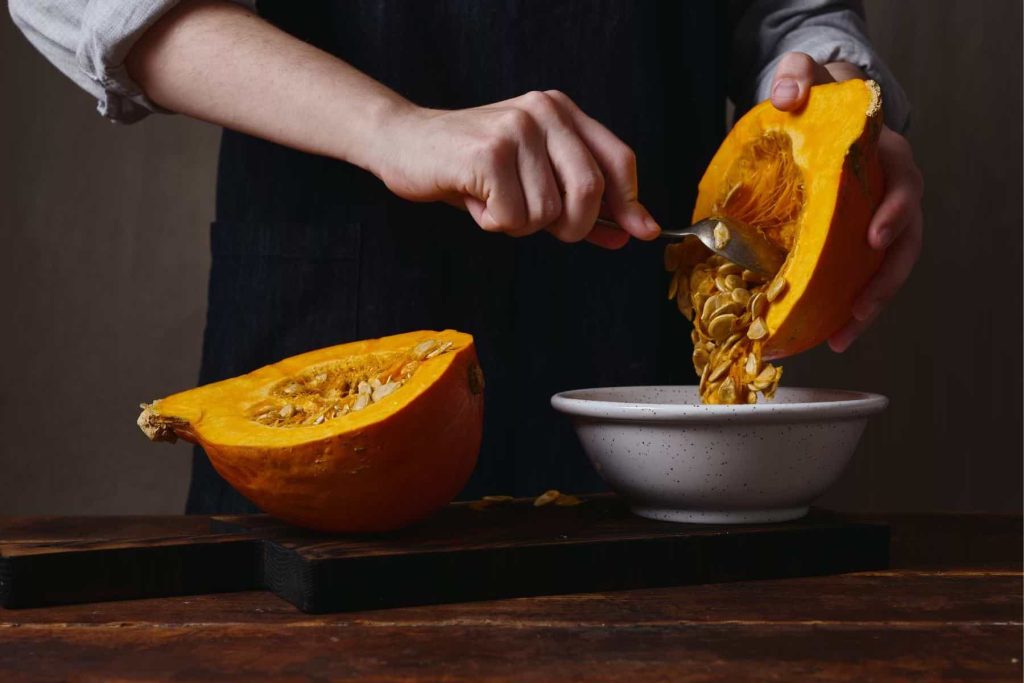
x: 88, y: 40
x: 827, y: 30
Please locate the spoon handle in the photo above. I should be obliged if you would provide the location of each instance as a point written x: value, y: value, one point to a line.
x: 673, y: 234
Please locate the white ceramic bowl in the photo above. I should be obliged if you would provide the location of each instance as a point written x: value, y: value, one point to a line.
x: 674, y: 459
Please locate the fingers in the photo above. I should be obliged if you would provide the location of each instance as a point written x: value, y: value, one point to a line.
x: 498, y: 205
x: 617, y: 162
x: 539, y: 186
x: 607, y: 237
x: 904, y: 187
x: 793, y: 78
x: 577, y: 173
x: 894, y: 271
x: 548, y: 165
x: 844, y: 338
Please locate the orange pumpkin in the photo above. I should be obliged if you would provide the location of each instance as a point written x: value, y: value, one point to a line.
x: 811, y: 180
x: 368, y: 436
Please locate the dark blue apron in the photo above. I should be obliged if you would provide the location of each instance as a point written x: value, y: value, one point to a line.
x: 311, y: 252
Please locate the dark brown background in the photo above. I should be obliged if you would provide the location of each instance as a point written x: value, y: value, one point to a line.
x: 104, y: 263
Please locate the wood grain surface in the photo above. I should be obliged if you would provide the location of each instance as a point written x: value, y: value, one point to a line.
x: 462, y: 553
x: 942, y: 612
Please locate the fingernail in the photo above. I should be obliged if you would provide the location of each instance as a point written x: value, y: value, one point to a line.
x: 884, y: 237
x: 652, y: 226
x: 786, y: 89
x: 865, y: 311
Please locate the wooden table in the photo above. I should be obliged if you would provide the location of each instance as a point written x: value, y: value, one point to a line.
x: 949, y: 609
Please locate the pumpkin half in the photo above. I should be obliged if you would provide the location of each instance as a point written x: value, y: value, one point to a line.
x: 368, y: 436
x: 811, y: 181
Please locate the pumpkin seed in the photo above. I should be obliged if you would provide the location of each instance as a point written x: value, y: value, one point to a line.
x: 385, y: 390
x: 733, y: 281
x: 498, y: 499
x: 757, y: 330
x: 767, y: 375
x: 546, y: 497
x: 777, y: 288
x: 700, y: 359
x: 758, y: 305
x: 721, y: 327
x: 439, y: 350
x: 566, y: 500
x: 727, y: 305
x: 719, y: 370
x: 727, y: 392
x: 421, y: 350
x: 740, y: 296
x: 722, y: 236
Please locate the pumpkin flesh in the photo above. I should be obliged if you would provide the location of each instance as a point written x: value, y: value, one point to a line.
x: 811, y: 181
x: 282, y: 437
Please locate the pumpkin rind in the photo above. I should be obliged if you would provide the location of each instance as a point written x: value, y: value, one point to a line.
x: 834, y: 146
x: 384, y: 467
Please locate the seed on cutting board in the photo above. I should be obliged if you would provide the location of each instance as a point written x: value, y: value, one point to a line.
x: 546, y: 497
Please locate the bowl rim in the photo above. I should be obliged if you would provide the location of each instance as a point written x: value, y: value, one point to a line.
x: 858, y: 404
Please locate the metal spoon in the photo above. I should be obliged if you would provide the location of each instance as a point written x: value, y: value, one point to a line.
x: 746, y: 246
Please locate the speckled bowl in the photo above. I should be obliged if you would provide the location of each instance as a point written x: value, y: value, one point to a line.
x: 674, y: 459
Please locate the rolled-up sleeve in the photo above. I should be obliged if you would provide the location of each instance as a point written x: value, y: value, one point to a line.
x: 827, y: 30
x: 88, y: 40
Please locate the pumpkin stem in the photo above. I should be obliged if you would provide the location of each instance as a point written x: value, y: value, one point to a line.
x: 159, y: 427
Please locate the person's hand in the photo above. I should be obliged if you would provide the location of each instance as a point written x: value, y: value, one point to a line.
x: 535, y: 162
x: 897, y: 224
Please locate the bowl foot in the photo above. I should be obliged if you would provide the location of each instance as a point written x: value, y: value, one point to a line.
x: 720, y: 516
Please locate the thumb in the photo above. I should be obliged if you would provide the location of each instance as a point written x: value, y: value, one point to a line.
x: 793, y: 78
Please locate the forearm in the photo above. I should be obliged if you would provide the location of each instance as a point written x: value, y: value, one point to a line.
x: 218, y: 62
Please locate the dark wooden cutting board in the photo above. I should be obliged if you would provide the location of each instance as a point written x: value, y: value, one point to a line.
x: 460, y: 554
